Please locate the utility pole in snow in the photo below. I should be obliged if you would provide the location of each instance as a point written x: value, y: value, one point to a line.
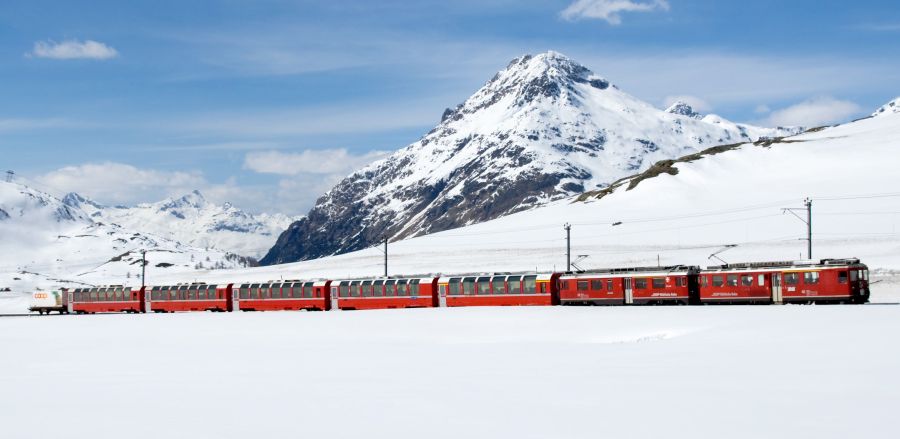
x: 385, y: 257
x: 568, y: 228
x: 9, y: 176
x: 143, y: 268
x: 807, y: 203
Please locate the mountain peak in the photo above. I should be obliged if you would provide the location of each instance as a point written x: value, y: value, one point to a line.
x: 892, y: 107
x: 73, y: 199
x: 684, y: 109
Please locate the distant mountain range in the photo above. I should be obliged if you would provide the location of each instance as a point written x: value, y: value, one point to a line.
x: 192, y: 220
x: 542, y: 129
x: 49, y: 242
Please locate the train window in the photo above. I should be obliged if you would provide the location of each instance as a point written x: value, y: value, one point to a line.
x: 865, y: 275
x: 842, y: 277
x: 640, y: 284
x: 811, y: 277
x: 366, y: 288
x: 529, y: 286
x: 378, y: 288
x: 609, y: 284
x: 296, y: 290
x: 597, y: 285
x: 583, y: 285
x: 403, y: 287
x: 790, y: 278
x: 483, y: 286
x: 414, y: 287
x: 191, y: 293
x: 454, y: 286
x: 747, y: 280
x: 354, y: 288
x: 732, y: 280
x: 120, y: 293
x: 344, y: 290
x: 854, y: 275
x: 254, y: 291
x: 761, y: 280
x: 468, y: 285
x: 308, y: 289
x: 659, y: 282
x: 515, y: 284
x: 245, y: 291
x: 498, y: 284
x: 718, y: 281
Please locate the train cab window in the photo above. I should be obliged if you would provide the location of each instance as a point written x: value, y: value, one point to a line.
x: 582, y: 285
x: 640, y: 284
x: 864, y: 274
x: 530, y: 284
x: 811, y: 277
x: 732, y: 280
x: 854, y: 275
x: 597, y: 285
x: 842, y: 277
x: 659, y: 283
x: 244, y: 291
x: 609, y: 284
x: 761, y: 280
x: 790, y: 278
x: 498, y: 284
x: 468, y: 286
x: 414, y: 287
x: 718, y: 281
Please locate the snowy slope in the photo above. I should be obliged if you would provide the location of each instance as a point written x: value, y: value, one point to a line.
x: 542, y: 129
x: 551, y: 372
x: 194, y: 221
x: 892, y: 107
x: 733, y: 197
x: 48, y: 244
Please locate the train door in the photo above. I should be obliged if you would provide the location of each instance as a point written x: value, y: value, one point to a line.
x: 776, y: 289
x: 629, y: 293
x: 70, y: 306
x: 442, y: 296
x: 334, y: 298
x: 146, y: 300
x: 236, y: 299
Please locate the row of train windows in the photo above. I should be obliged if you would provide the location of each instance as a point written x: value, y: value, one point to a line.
x: 102, y: 295
x: 379, y: 288
x: 185, y: 292
x: 733, y: 280
x: 277, y: 291
x: 468, y: 286
x: 639, y: 284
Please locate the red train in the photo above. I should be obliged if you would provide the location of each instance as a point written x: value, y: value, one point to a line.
x: 824, y: 281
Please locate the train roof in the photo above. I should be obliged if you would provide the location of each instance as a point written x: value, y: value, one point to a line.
x: 806, y: 263
x: 645, y: 271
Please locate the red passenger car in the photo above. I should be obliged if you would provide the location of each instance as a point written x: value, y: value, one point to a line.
x: 499, y: 290
x: 384, y: 293
x: 282, y: 295
x: 653, y: 285
x: 827, y: 280
x: 113, y: 298
x: 189, y: 297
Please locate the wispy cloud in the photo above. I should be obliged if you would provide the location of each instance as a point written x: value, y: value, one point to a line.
x: 310, y: 161
x: 879, y: 27
x: 818, y: 111
x: 610, y: 10
x: 73, y: 49
x: 25, y: 124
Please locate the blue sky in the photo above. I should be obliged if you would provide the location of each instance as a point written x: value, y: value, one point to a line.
x: 133, y: 101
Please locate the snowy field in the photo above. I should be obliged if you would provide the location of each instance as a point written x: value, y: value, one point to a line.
x: 548, y: 372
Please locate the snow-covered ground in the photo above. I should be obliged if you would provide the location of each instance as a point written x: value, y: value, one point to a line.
x: 547, y: 372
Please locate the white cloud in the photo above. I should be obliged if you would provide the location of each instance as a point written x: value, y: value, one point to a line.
x: 698, y: 104
x: 24, y: 124
x: 323, y: 161
x: 610, y: 10
x: 73, y: 49
x: 815, y: 112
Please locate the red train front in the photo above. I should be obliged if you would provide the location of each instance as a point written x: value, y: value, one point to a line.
x: 824, y: 281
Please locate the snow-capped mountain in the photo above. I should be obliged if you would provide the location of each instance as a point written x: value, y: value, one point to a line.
x: 892, y: 107
x: 193, y: 220
x: 542, y: 129
x: 49, y: 243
